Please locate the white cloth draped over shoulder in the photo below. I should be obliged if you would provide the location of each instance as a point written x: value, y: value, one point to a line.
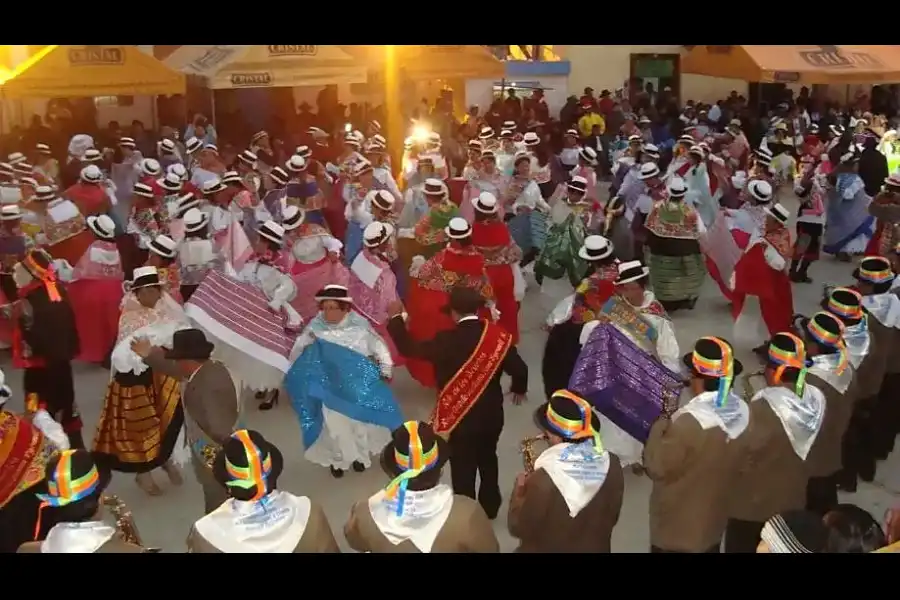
x: 158, y: 325
x: 273, y: 525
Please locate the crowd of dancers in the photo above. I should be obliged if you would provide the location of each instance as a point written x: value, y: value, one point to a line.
x: 321, y: 276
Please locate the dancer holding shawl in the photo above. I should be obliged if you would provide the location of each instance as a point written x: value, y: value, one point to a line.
x: 337, y: 384
x: 142, y: 414
x: 762, y: 300
x: 572, y: 499
x: 676, y: 264
x: 522, y: 196
x: 425, y: 219
x: 416, y: 512
x: 373, y: 285
x: 772, y: 469
x: 249, y: 318
x: 571, y: 314
x: 850, y: 226
x: 459, y: 264
x: 690, y: 457
x: 468, y: 361
x: 257, y: 517
x: 316, y: 263
x: 635, y: 312
x: 832, y: 374
x: 559, y: 259
x: 501, y: 258
x: 95, y: 292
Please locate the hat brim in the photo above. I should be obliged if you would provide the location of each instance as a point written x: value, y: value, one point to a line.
x: 201, y: 352
x: 219, y: 188
x: 582, y: 252
x: 346, y: 300
x: 645, y: 273
x: 688, y: 361
x: 10, y: 217
x: 204, y: 221
x: 644, y: 177
x: 540, y: 419
x: 220, y: 472
x: 269, y: 236
x: 390, y: 467
x: 170, y: 187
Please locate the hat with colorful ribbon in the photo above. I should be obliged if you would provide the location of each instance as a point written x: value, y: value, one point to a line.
x: 248, y: 465
x: 571, y: 417
x: 714, y: 358
x: 72, y: 476
x: 414, y: 449
x: 787, y: 351
x: 875, y: 270
x: 827, y: 330
x: 39, y: 265
x: 845, y: 303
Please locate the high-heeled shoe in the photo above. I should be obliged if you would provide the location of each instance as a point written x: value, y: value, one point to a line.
x: 267, y: 403
x: 358, y: 466
x: 336, y: 473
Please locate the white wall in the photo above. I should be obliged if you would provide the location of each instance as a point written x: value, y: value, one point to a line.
x: 609, y: 67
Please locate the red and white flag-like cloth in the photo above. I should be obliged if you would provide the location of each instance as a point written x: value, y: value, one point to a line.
x: 250, y: 338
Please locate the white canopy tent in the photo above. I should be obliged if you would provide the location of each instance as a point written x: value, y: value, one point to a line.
x: 238, y: 67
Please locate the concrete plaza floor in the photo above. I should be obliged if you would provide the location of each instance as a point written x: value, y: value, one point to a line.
x: 165, y: 520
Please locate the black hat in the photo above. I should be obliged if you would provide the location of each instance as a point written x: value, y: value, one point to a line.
x: 464, y: 301
x: 563, y: 413
x: 875, y: 270
x: 413, y: 445
x: 248, y: 461
x: 190, y: 344
x: 73, y: 476
x: 826, y: 329
x: 846, y: 303
x: 706, y: 359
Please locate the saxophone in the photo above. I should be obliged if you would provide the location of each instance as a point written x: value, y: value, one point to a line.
x: 125, y: 525
x: 529, y: 455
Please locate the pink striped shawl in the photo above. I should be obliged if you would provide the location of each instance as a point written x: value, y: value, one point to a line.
x: 244, y: 310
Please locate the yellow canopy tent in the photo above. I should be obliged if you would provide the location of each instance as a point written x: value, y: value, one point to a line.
x: 796, y: 64
x: 440, y: 62
x: 84, y: 71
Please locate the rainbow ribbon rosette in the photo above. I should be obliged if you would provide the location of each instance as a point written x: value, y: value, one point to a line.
x: 720, y: 368
x: 257, y: 471
x: 574, y: 429
x: 413, y: 464
x: 790, y: 359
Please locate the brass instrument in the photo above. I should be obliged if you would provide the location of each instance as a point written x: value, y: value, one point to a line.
x: 125, y: 525
x: 528, y: 452
x: 748, y: 392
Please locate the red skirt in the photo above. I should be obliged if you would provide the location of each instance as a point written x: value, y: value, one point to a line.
x: 754, y: 277
x: 873, y: 248
x: 426, y: 319
x: 503, y: 282
x: 334, y: 212
x: 741, y: 238
x: 95, y: 303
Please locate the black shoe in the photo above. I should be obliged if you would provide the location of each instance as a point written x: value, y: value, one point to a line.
x: 336, y: 473
x: 358, y: 466
x: 267, y: 404
x: 867, y: 471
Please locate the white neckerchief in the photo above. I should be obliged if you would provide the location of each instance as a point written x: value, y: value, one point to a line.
x: 856, y: 337
x: 732, y: 418
x: 801, y: 417
x: 577, y: 470
x: 273, y: 525
x: 424, y: 515
x: 825, y: 368
x: 102, y: 256
x: 77, y: 538
x: 884, y: 307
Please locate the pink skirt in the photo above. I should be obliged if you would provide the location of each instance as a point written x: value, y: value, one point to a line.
x: 96, y: 306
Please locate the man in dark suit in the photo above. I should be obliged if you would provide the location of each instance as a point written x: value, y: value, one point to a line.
x: 469, y: 361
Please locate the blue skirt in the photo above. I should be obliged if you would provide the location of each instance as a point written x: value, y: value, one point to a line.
x: 353, y: 242
x: 539, y: 228
x: 520, y: 230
